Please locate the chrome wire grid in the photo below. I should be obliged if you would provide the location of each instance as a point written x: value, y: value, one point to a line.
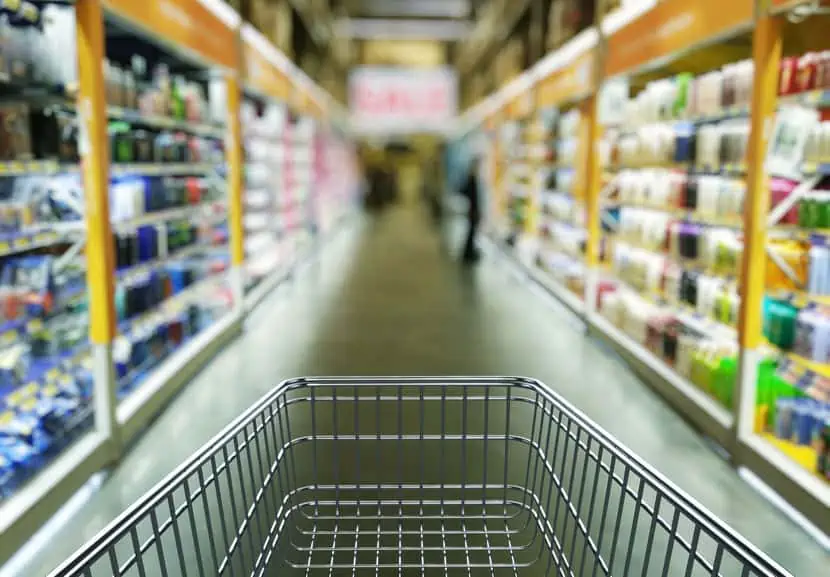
x: 421, y: 477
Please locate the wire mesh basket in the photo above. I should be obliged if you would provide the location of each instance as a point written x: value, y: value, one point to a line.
x: 422, y: 477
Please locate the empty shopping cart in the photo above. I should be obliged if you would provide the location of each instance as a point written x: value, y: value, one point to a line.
x: 422, y: 477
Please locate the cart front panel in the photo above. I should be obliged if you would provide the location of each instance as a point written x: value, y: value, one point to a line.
x: 416, y: 477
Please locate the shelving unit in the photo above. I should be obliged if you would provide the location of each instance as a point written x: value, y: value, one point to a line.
x: 264, y: 122
x: 122, y: 242
x: 565, y: 114
x: 705, y: 238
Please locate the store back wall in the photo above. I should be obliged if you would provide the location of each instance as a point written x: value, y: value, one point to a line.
x: 415, y: 53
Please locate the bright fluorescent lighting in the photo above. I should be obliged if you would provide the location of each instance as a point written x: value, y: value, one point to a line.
x: 411, y: 29
x: 419, y: 9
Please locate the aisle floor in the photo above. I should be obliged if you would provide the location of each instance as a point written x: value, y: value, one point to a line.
x: 384, y: 298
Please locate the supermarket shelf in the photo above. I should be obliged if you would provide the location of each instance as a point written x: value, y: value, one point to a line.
x: 690, y: 215
x: 265, y: 286
x: 820, y: 369
x: 571, y: 301
x: 163, y: 169
x: 800, y: 488
x: 136, y: 117
x: 39, y: 237
x: 126, y: 275
x: 136, y: 411
x: 805, y: 456
x: 683, y: 312
x: 815, y: 98
x: 49, y: 167
x: 149, y: 120
x: 164, y: 308
x: 734, y: 170
x: 800, y: 298
x: 814, y: 169
x: 813, y: 236
x: 162, y: 216
x: 34, y: 167
x: 35, y: 503
x: 704, y: 412
x: 567, y: 297
x: 704, y: 325
x: 701, y: 119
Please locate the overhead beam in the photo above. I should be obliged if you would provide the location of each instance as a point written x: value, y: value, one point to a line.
x: 497, y: 19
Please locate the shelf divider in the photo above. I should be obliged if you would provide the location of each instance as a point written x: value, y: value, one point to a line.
x: 94, y: 149
x: 766, y: 54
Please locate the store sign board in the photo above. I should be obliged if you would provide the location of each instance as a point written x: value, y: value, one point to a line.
x: 182, y: 23
x: 670, y: 27
x: 262, y: 75
x: 572, y: 82
x: 390, y: 99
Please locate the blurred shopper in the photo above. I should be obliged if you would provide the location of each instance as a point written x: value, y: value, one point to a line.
x: 433, y: 189
x: 376, y: 184
x: 469, y: 190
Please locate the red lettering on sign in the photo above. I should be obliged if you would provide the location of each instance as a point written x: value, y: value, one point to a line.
x: 407, y: 97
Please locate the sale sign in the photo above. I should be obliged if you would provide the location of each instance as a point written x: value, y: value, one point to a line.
x: 402, y: 99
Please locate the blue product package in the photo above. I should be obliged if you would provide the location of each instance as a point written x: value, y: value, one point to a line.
x: 6, y: 475
x: 147, y: 243
x: 158, y: 341
x: 784, y: 418
x: 121, y: 368
x: 17, y: 451
x: 683, y: 132
x: 151, y: 196
x: 804, y: 421
x: 149, y: 292
x: 178, y: 276
x: 138, y: 353
x: 159, y: 279
x: 120, y: 302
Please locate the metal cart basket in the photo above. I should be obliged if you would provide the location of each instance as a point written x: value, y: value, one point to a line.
x: 422, y: 477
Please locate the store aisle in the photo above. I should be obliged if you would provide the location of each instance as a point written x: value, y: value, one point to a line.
x: 385, y: 299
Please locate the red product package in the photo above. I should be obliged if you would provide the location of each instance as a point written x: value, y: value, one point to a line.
x: 780, y: 189
x: 787, y: 76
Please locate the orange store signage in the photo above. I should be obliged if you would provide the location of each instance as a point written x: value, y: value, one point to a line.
x: 186, y: 23
x: 262, y: 75
x: 672, y: 26
x: 574, y: 81
x: 522, y: 105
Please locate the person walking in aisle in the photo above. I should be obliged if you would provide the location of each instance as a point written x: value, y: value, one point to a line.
x: 469, y: 190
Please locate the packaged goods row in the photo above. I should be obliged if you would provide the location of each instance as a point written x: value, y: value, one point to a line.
x: 683, y: 195
x: 125, y: 200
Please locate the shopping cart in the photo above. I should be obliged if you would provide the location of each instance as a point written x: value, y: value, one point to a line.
x: 422, y: 477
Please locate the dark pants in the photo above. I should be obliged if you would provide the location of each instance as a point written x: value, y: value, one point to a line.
x: 470, y: 250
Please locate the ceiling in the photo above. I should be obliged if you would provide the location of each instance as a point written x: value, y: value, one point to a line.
x: 445, y: 20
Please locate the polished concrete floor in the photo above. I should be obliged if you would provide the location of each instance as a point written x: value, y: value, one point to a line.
x: 386, y: 299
